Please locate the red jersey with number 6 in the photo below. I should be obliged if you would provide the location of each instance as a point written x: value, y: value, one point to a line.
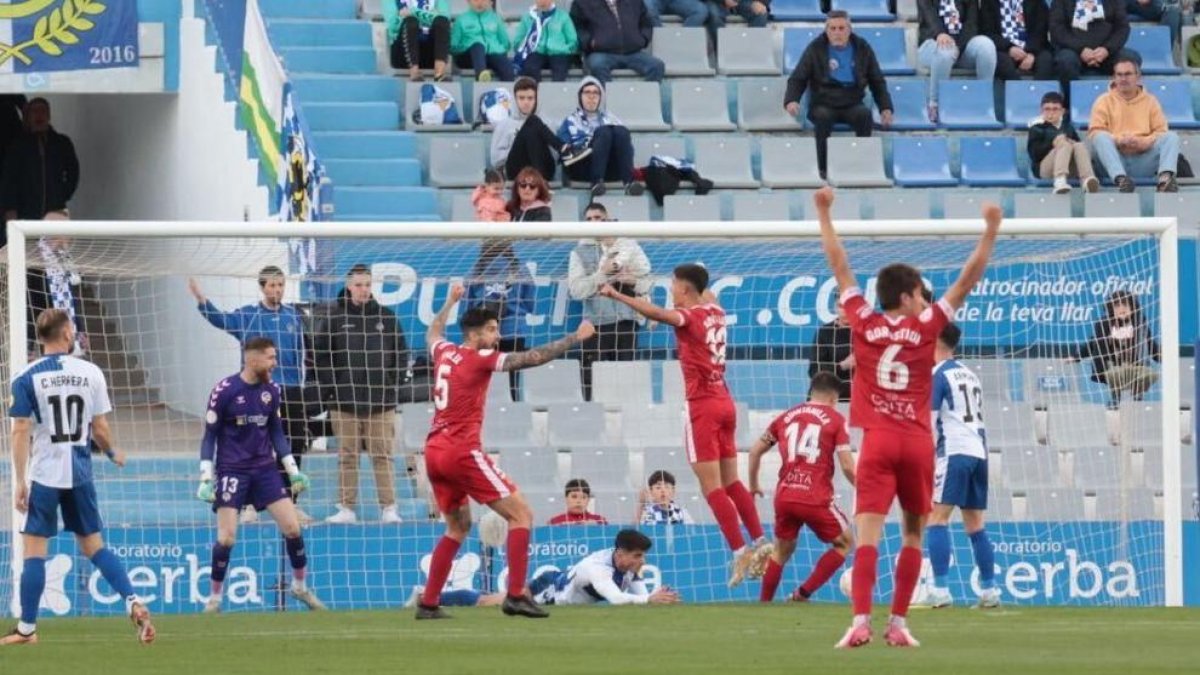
x: 893, y: 372
x: 808, y: 435
x: 701, y: 342
x: 460, y: 386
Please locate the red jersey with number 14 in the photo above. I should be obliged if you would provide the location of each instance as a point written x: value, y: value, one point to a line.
x: 893, y: 372
x: 701, y: 342
x: 808, y: 436
x: 460, y: 386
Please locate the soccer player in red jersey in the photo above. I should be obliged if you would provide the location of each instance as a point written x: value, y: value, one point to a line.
x: 712, y: 418
x: 891, y: 401
x: 455, y: 462
x: 809, y: 436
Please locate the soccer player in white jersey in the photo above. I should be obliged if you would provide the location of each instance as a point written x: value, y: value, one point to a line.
x: 961, y: 473
x: 61, y: 403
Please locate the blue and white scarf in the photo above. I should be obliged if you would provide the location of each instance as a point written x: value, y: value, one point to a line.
x: 437, y: 107
x: 534, y: 37
x: 665, y: 161
x: 1012, y: 22
x: 419, y: 8
x: 948, y: 11
x: 1086, y: 11
x: 61, y: 276
x: 671, y: 514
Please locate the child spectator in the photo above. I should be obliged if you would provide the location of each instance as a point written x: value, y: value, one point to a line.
x: 488, y: 199
x: 657, y: 503
x: 578, y: 493
x: 1055, y: 149
x: 545, y: 37
x: 479, y: 41
x: 419, y: 33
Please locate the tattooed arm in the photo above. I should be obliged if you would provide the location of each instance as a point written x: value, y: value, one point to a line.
x: 549, y: 351
x: 437, y: 328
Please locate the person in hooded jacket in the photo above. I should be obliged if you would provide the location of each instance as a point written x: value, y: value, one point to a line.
x: 523, y: 140
x: 616, y: 34
x: 602, y: 144
x: 545, y: 37
x: 1122, y: 348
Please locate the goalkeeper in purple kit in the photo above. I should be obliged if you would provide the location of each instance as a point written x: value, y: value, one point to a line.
x: 243, y: 434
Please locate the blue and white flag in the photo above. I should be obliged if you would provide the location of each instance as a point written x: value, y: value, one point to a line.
x: 46, y: 35
x: 300, y: 172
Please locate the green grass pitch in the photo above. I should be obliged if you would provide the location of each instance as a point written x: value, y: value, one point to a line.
x: 726, y: 639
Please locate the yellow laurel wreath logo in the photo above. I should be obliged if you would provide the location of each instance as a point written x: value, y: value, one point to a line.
x: 60, y: 27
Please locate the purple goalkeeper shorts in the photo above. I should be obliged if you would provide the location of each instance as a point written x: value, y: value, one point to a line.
x: 259, y: 488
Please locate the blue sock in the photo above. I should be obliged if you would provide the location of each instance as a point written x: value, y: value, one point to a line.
x: 985, y: 558
x: 938, y: 537
x: 543, y: 581
x: 33, y: 582
x: 113, y: 571
x: 460, y: 598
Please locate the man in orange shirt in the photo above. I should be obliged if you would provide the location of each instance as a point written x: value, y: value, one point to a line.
x: 1128, y: 132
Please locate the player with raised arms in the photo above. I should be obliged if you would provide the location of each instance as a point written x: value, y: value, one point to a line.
x: 243, y: 440
x: 455, y: 462
x: 961, y: 474
x: 809, y: 436
x: 711, y: 424
x: 890, y: 401
x: 60, y: 408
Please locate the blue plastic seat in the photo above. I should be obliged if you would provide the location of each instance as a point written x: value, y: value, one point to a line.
x: 864, y: 10
x: 989, y: 161
x: 795, y: 41
x: 1175, y: 97
x: 797, y: 10
x: 1023, y: 100
x: 921, y: 161
x: 908, y: 106
x: 967, y: 104
x: 1153, y: 44
x: 890, y: 49
x: 1083, y: 94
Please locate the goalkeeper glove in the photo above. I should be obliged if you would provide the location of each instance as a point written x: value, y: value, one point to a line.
x: 205, y: 492
x: 299, y: 481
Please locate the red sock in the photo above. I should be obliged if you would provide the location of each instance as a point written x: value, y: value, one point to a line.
x: 744, y: 501
x: 770, y: 580
x: 727, y: 518
x: 908, y: 572
x: 862, y: 578
x: 827, y: 565
x: 517, y: 550
x: 439, y: 570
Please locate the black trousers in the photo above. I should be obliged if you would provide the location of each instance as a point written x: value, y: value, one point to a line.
x: 534, y: 145
x: 410, y: 50
x: 612, y: 342
x: 296, y: 406
x: 508, y: 346
x: 824, y: 117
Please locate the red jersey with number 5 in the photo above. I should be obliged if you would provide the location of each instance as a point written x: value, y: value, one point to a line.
x: 808, y: 436
x: 701, y: 342
x: 461, y: 376
x: 893, y: 372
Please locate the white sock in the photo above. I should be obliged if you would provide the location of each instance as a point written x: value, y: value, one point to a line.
x: 862, y: 620
x: 298, y: 584
x: 26, y: 628
x: 897, y: 621
x: 739, y: 552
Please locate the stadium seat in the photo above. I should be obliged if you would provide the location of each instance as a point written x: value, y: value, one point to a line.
x: 622, y: 383
x: 529, y: 466
x: 456, y: 161
x: 968, y: 204
x: 683, y: 50
x: 545, y: 502
x: 909, y: 111
x: 797, y: 10
x: 1054, y: 504
x: 565, y: 208
x: 1187, y: 381
x: 573, y: 425
x: 754, y: 206
x: 967, y: 104
x: 790, y: 162
x: 652, y: 425
x: 1008, y: 424
x: 744, y: 436
x: 1175, y: 97
x: 556, y: 100
x: 1096, y: 468
x: 1032, y: 467
x: 866, y: 10
x: 555, y: 382
x: 1077, y: 425
x: 628, y: 209
x: 508, y: 425
x: 1041, y: 205
x: 890, y: 48
x: 672, y: 382
x: 692, y: 208
x: 1023, y: 101
x: 647, y: 146
x: 848, y: 205
x: 1112, y: 205
x: 760, y: 106
x: 1153, y: 44
x: 511, y: 10
x: 768, y: 385
x: 795, y: 41
x: 1189, y: 147
x: 989, y: 161
x: 1083, y: 94
x: 499, y: 391
x: 605, y: 469
x: 999, y: 507
x: 921, y: 161
x: 997, y: 377
x: 1141, y: 424
x: 700, y: 105
x: 900, y: 204
x: 1182, y: 205
x: 461, y: 209
x: 412, y: 101
x: 747, y: 51
x: 1125, y: 505
x: 725, y: 160
x: 1049, y: 381
x: 856, y: 162
x: 637, y: 104
x: 672, y: 458
x: 416, y: 418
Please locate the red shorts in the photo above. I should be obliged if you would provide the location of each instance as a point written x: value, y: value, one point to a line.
x: 827, y: 522
x: 892, y: 465
x: 708, y: 433
x: 458, y: 473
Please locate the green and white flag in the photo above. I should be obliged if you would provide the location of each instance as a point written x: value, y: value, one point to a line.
x: 261, y: 92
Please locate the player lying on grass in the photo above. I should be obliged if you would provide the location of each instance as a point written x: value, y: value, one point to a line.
x: 455, y: 462
x: 890, y: 401
x: 809, y: 436
x: 243, y: 436
x: 712, y: 418
x: 961, y: 474
x: 62, y: 403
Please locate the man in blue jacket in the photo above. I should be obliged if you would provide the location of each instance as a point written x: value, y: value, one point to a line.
x: 616, y: 34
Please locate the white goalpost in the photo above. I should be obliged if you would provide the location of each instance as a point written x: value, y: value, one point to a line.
x: 1085, y: 496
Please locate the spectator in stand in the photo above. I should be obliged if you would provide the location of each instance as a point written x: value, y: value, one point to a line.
x: 616, y: 34
x: 10, y: 128
x: 531, y: 198
x: 545, y: 37
x: 523, y: 140
x: 499, y: 282
x: 488, y: 199
x: 949, y: 36
x: 602, y: 148
x: 419, y: 34
x: 693, y: 12
x: 1128, y: 132
x: 1122, y: 348
x: 479, y: 41
x: 578, y: 495
x: 361, y: 357
x: 1167, y: 13
x: 1055, y: 149
x: 41, y: 170
x: 1088, y: 35
x: 757, y: 13
x: 656, y: 502
x: 1020, y: 29
x: 837, y: 68
x: 831, y: 353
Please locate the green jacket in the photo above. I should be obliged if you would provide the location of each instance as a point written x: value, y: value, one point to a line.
x: 392, y: 18
x: 559, y: 37
x: 472, y: 28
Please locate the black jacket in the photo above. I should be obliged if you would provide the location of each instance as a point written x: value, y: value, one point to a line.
x: 361, y: 357
x: 1110, y: 33
x: 40, y: 174
x: 812, y: 72
x: 1041, y: 140
x: 600, y: 31
x: 1037, y: 25
x: 537, y: 214
x: 931, y: 24
x: 1106, y: 349
x: 830, y: 347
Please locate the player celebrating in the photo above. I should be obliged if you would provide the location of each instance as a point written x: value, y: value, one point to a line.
x: 712, y: 418
x: 454, y: 459
x: 890, y: 401
x: 809, y: 435
x: 241, y: 427
x: 961, y: 475
x: 62, y: 401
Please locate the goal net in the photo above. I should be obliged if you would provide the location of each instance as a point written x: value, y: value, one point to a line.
x: 1085, y: 493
